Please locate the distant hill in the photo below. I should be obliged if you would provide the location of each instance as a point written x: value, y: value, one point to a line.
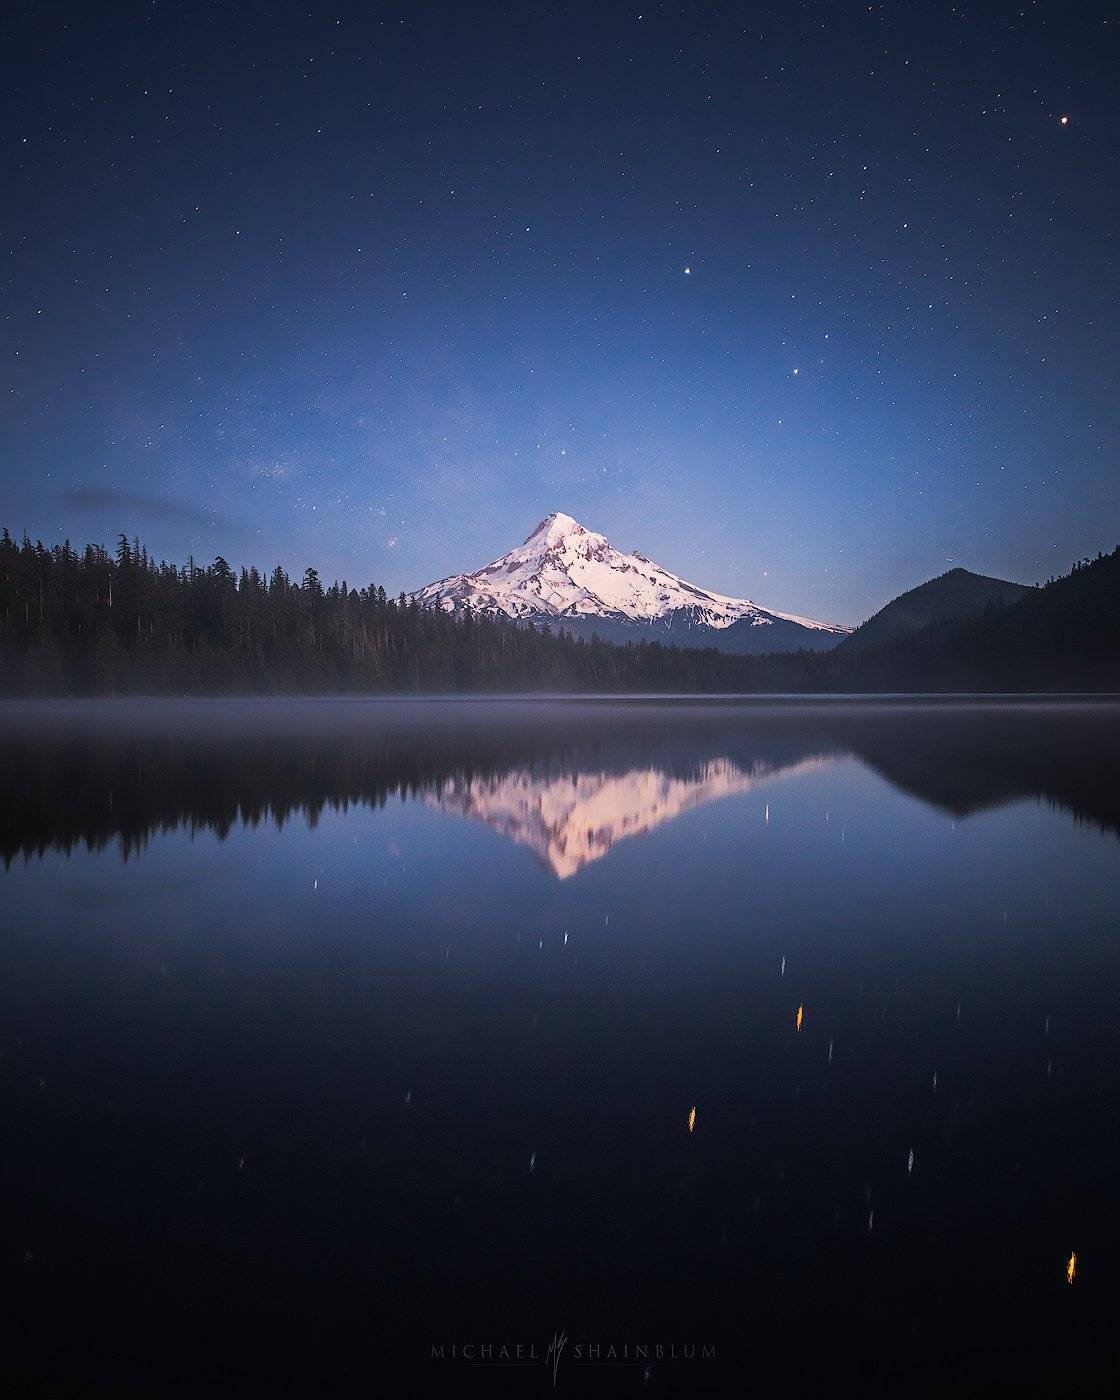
x: 956, y: 594
x: 1063, y: 637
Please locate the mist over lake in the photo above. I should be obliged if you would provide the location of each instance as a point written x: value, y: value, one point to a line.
x: 341, y: 1035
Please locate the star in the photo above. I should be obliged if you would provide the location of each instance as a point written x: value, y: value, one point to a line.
x: 688, y: 272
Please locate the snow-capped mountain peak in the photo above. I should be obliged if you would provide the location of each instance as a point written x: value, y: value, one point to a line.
x: 557, y: 526
x: 569, y: 575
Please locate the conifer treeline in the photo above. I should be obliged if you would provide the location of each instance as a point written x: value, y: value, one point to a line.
x: 94, y: 623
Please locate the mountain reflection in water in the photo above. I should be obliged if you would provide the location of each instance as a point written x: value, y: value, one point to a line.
x: 566, y: 779
x: 570, y: 819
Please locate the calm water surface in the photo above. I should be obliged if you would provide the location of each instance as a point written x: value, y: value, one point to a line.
x: 780, y: 1038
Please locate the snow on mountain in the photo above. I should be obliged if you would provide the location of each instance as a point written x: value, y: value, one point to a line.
x: 574, y: 578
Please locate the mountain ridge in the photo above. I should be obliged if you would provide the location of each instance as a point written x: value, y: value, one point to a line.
x: 1064, y: 635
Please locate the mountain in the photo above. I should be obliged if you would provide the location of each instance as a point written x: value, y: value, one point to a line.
x: 577, y: 582
x: 956, y: 594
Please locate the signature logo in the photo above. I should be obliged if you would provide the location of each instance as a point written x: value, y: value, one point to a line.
x: 555, y: 1350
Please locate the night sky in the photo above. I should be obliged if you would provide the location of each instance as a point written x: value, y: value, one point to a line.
x: 808, y: 302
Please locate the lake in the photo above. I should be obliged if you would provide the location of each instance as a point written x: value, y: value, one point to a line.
x: 697, y: 1047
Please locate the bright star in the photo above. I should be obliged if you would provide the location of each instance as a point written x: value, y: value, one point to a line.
x: 688, y: 272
